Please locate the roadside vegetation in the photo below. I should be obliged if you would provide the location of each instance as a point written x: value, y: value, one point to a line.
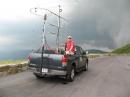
x: 123, y: 50
x: 4, y: 62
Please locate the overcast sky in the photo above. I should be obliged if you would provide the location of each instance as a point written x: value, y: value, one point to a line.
x: 102, y: 24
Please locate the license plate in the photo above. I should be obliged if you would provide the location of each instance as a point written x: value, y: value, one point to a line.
x: 44, y: 70
x: 32, y: 64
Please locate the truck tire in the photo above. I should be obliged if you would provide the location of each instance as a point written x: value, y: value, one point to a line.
x: 86, y: 66
x: 38, y: 76
x: 71, y: 74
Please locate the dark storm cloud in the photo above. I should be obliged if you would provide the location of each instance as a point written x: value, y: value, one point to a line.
x: 93, y: 23
x: 105, y: 23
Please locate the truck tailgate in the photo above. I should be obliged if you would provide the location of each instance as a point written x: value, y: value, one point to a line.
x: 50, y: 61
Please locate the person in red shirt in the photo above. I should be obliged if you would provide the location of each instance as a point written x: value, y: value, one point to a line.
x: 70, y: 46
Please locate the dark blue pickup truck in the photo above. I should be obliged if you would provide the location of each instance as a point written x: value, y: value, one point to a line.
x: 58, y: 63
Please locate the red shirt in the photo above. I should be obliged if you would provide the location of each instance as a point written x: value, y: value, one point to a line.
x: 70, y: 46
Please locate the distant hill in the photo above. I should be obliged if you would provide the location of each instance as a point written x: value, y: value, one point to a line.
x: 123, y: 50
x: 95, y: 51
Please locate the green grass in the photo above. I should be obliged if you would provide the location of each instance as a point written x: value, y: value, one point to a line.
x: 4, y: 62
x: 123, y: 50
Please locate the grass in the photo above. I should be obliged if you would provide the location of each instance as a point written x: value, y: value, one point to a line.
x: 123, y: 50
x: 4, y: 62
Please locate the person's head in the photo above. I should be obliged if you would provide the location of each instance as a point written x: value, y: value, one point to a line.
x: 69, y: 38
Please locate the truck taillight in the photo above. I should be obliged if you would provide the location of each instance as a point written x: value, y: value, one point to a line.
x: 64, y: 60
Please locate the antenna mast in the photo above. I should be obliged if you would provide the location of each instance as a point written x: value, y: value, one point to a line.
x: 59, y: 23
x: 59, y: 26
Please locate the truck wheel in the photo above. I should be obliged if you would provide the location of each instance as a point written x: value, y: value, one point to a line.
x: 38, y: 76
x: 70, y: 76
x: 86, y: 66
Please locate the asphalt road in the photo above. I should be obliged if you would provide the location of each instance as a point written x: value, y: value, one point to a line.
x: 106, y: 77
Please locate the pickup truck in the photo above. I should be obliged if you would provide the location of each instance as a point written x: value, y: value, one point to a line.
x: 58, y: 63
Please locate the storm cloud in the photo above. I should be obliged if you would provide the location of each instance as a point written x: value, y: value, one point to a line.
x: 101, y: 23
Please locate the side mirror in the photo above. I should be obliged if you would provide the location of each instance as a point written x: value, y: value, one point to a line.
x: 86, y: 52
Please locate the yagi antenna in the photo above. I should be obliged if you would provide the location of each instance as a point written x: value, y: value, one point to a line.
x: 45, y: 18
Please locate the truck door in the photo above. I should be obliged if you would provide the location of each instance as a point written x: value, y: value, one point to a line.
x: 79, y: 57
x: 83, y: 57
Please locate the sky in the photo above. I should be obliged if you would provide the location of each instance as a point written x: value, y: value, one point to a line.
x: 100, y: 24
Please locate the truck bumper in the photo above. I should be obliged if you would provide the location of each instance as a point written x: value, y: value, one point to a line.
x: 49, y: 71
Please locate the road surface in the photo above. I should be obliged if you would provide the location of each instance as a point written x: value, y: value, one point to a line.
x: 106, y: 77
